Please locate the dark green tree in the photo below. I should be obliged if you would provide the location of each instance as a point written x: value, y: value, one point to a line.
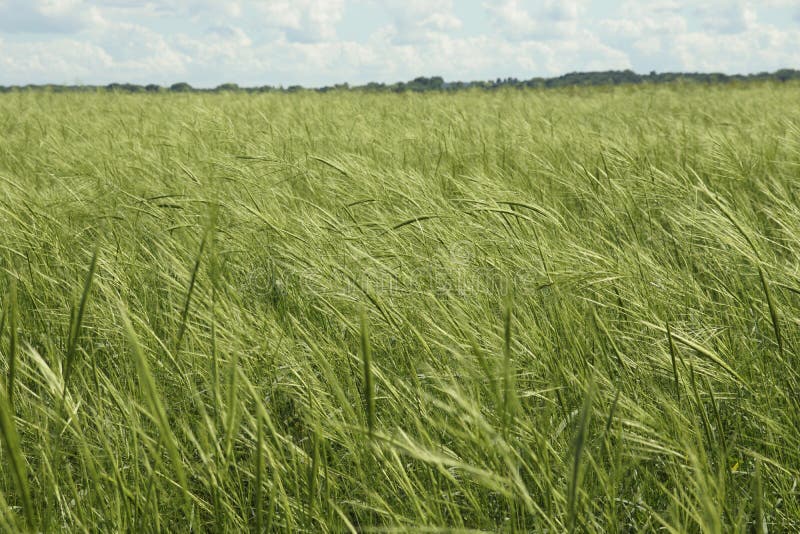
x: 181, y: 87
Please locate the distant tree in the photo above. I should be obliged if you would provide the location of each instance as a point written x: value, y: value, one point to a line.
x: 422, y: 84
x: 230, y: 87
x: 374, y: 86
x: 124, y: 88
x: 181, y: 87
x: 785, y: 75
x: 437, y: 83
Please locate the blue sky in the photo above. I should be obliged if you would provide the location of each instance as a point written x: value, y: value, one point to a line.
x: 320, y: 42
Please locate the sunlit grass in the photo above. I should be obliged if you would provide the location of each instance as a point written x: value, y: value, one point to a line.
x: 518, y: 311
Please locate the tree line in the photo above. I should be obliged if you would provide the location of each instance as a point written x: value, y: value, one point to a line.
x: 437, y: 83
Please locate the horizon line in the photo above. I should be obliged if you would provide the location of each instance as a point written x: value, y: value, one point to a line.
x: 572, y: 78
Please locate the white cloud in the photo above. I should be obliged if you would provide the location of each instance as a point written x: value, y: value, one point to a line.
x: 46, y: 16
x: 758, y: 49
x: 418, y: 21
x: 780, y: 3
x: 524, y: 20
x: 303, y: 20
x: 191, y: 9
x: 725, y: 17
x: 719, y: 35
x: 640, y: 20
x: 648, y: 45
x: 61, y: 60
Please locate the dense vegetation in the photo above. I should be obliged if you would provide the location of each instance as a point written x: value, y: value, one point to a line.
x: 437, y: 83
x: 517, y: 311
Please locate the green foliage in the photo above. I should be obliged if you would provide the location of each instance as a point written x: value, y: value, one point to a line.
x: 437, y: 83
x: 181, y: 87
x: 228, y: 87
x: 509, y: 311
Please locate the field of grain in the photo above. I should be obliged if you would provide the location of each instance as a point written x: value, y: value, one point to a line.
x: 571, y: 310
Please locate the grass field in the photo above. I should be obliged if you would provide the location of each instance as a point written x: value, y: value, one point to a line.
x: 516, y: 311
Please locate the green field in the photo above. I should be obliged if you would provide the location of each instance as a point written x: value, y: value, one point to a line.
x: 503, y: 311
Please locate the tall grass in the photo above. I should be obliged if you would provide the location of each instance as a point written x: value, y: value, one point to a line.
x: 512, y: 311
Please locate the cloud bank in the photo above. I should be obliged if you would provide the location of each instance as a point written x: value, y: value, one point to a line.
x: 319, y: 42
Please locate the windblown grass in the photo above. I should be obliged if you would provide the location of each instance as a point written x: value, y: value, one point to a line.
x: 514, y: 311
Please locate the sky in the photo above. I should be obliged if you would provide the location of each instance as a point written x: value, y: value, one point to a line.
x: 323, y: 42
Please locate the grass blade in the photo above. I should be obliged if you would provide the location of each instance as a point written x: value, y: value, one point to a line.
x: 607, y: 334
x: 14, y: 458
x: 190, y: 291
x: 509, y: 382
x: 75, y: 330
x: 672, y: 352
x: 157, y: 411
x: 773, y: 310
x: 700, y: 349
x: 369, y: 386
x: 758, y: 504
x: 259, y: 468
x: 577, y: 450
x: 13, y: 341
